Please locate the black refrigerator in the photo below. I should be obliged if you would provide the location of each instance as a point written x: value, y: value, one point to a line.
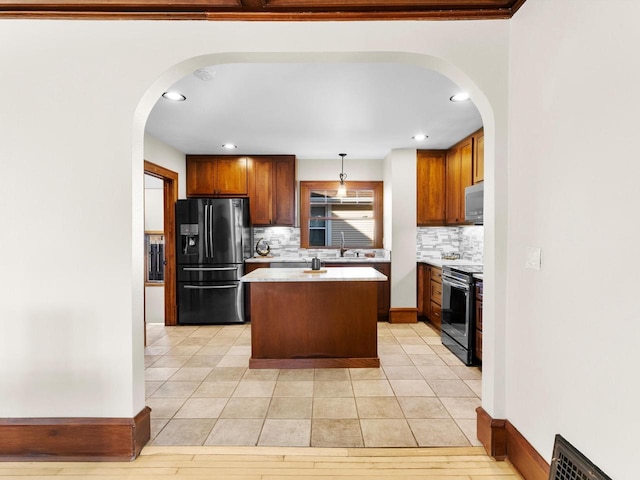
x: 214, y: 238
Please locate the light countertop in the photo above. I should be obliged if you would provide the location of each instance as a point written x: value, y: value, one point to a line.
x: 340, y: 274
x: 325, y: 260
x: 436, y: 262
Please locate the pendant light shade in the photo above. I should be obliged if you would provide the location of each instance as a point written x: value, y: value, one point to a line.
x: 342, y: 188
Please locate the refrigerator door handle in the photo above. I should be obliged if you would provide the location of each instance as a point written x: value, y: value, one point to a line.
x: 206, y: 226
x: 209, y: 269
x: 211, y: 228
x: 208, y: 287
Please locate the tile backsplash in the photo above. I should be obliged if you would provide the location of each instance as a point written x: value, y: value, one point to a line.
x: 433, y: 242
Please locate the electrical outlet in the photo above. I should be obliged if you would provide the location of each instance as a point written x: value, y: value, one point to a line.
x: 533, y: 256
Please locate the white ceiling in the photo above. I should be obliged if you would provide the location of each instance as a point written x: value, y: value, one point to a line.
x: 313, y: 110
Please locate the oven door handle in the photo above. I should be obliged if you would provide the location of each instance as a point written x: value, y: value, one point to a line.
x: 456, y: 284
x: 208, y: 287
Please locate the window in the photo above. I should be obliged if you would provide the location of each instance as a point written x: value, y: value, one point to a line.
x: 327, y: 220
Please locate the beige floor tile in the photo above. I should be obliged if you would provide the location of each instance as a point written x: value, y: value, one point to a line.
x: 206, y: 331
x: 196, y: 374
x: 461, y: 407
x: 170, y: 340
x: 176, y: 389
x: 240, y: 350
x: 393, y: 349
x: 475, y: 386
x: 386, y: 433
x: 440, y: 349
x: 191, y: 340
x: 390, y: 340
x: 290, y: 407
x: 185, y: 432
x: 391, y: 360
x: 234, y: 361
x: 172, y: 361
x: 286, y: 433
x: 157, y: 424
x: 150, y: 360
x: 215, y: 350
x: 335, y: 408
x: 372, y: 388
x: 421, y: 349
x: 332, y: 388
x: 261, y: 374
x: 202, y: 408
x: 222, y: 341
x: 406, y: 372
x: 450, y: 359
x: 378, y: 407
x: 451, y: 388
x: 437, y: 372
x: 151, y: 387
x: 246, y: 408
x: 467, y: 373
x: 296, y: 375
x: 226, y: 374
x: 185, y: 350
x: 367, y: 374
x: 159, y: 373
x: 334, y: 374
x: 469, y: 428
x: 164, y: 407
x: 423, y: 407
x: 219, y: 388
x: 411, y: 388
x: 336, y: 433
x: 242, y: 341
x: 411, y: 341
x: 254, y: 388
x: 431, y: 341
x: 293, y: 389
x: 420, y: 360
x: 438, y: 433
x: 209, y: 361
x: 235, y: 432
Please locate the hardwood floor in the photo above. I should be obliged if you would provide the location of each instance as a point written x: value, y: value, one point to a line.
x: 275, y: 463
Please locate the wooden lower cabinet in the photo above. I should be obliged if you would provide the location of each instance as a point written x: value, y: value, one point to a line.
x: 430, y: 293
x: 479, y: 289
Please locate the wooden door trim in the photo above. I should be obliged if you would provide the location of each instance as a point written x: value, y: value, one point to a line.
x: 170, y: 194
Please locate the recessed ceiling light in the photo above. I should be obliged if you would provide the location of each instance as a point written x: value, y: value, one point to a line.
x: 419, y: 137
x: 460, y: 97
x: 229, y: 146
x: 175, y: 96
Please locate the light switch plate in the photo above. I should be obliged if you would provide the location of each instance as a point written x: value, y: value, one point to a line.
x: 533, y: 258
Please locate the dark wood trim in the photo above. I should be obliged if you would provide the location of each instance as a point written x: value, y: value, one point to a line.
x: 492, y: 434
x: 170, y: 192
x: 524, y: 457
x: 503, y: 441
x: 74, y: 439
x: 262, y: 10
x: 314, y: 363
x: 403, y: 315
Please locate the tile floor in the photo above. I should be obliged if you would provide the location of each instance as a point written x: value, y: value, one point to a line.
x: 202, y: 393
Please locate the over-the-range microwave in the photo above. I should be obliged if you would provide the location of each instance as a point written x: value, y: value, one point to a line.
x: 474, y: 203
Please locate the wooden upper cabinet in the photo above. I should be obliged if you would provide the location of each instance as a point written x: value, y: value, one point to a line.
x: 209, y: 175
x: 272, y: 190
x: 431, y: 187
x: 459, y: 174
x: 478, y: 156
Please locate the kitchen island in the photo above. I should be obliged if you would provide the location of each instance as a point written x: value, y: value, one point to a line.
x: 324, y: 319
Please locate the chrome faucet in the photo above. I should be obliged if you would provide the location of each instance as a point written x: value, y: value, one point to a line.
x: 342, y: 249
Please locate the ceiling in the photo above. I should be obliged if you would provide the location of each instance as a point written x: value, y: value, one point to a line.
x: 312, y: 110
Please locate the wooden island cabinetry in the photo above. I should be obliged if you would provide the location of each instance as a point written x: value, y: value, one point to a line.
x: 271, y: 184
x: 384, y: 287
x: 216, y: 175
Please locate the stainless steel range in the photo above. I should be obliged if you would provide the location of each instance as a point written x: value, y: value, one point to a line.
x: 458, y: 312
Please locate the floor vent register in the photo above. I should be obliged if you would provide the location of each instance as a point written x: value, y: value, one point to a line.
x: 569, y: 464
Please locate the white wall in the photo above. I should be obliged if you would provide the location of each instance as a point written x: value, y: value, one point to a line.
x: 329, y: 169
x: 573, y: 181
x: 74, y: 350
x: 158, y: 152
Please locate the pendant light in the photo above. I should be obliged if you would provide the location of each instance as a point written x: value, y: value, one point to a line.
x: 342, y: 188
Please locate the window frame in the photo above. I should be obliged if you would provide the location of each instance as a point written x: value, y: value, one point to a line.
x: 305, y: 209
